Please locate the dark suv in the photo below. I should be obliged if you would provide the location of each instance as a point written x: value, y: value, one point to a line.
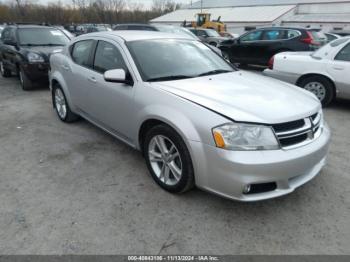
x: 25, y: 51
x: 259, y: 46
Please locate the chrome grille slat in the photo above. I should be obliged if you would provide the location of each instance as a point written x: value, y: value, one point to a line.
x: 291, y: 138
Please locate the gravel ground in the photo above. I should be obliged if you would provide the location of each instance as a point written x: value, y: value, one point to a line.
x: 73, y: 189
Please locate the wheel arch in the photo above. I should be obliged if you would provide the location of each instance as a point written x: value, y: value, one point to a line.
x: 57, y: 79
x: 305, y: 76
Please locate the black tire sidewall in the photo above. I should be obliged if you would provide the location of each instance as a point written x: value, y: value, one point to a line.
x: 70, y: 116
x: 326, y: 83
x: 26, y: 84
x: 187, y: 179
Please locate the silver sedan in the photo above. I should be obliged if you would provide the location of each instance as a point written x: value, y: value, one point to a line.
x: 196, y: 119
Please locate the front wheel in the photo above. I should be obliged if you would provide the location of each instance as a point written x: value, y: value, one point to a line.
x: 61, y: 106
x: 168, y: 159
x: 320, y: 87
x: 4, y: 71
x: 25, y: 82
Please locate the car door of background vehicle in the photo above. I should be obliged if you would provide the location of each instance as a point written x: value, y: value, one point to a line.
x: 271, y: 44
x: 339, y: 69
x: 76, y: 70
x: 111, y: 104
x: 244, y: 49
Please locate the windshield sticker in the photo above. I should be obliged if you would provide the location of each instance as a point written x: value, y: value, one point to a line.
x: 56, y: 33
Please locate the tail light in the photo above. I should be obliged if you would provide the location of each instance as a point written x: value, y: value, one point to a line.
x: 271, y: 62
x: 309, y: 39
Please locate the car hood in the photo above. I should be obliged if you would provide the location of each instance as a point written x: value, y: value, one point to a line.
x: 246, y: 97
x: 219, y: 38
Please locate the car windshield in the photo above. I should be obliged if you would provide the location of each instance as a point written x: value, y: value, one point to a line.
x: 177, y: 30
x: 42, y: 37
x: 170, y: 59
x: 324, y: 51
x: 212, y: 33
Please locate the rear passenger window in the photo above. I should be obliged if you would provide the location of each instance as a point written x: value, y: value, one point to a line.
x: 273, y: 35
x: 81, y: 52
x: 344, y: 54
x: 108, y: 57
x: 254, y: 36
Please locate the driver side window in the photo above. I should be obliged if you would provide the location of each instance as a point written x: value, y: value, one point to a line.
x: 108, y: 57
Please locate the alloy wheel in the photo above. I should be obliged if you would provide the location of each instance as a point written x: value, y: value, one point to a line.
x: 165, y: 160
x: 317, y: 88
x: 60, y: 103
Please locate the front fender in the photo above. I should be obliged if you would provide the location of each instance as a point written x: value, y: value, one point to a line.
x: 56, y: 76
x: 172, y: 117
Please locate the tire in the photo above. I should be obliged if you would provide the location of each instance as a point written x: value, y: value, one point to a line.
x: 25, y: 82
x: 173, y: 174
x: 319, y: 86
x: 61, y: 106
x: 213, y: 44
x: 4, y: 71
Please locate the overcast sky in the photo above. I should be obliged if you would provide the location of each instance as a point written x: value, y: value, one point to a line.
x: 146, y: 3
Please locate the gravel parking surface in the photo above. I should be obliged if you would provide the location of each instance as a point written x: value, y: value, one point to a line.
x: 73, y: 189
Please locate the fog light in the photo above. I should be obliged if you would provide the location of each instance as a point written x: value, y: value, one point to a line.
x: 246, y: 189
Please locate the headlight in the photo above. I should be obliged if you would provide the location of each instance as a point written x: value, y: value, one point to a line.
x: 244, y: 137
x: 35, y: 58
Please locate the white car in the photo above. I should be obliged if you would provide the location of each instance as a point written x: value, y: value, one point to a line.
x: 325, y: 72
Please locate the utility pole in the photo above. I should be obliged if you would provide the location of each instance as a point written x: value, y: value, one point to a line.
x: 201, y: 6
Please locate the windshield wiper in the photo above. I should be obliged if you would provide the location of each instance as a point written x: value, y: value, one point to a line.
x: 168, y: 78
x: 50, y: 44
x: 215, y: 72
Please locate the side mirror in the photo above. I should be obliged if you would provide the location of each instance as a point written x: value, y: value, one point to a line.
x: 10, y: 42
x: 117, y: 76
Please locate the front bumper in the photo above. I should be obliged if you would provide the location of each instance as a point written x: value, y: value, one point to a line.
x: 283, y: 76
x: 38, y: 72
x: 227, y: 173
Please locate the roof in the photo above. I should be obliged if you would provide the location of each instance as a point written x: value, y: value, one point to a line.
x: 236, y: 14
x: 318, y: 18
x: 235, y: 3
x: 134, y: 35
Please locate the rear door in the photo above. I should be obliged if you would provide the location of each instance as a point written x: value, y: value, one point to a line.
x: 76, y: 71
x: 339, y: 69
x: 272, y: 43
x: 9, y: 52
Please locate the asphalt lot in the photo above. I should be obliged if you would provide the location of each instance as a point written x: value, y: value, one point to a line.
x: 73, y: 189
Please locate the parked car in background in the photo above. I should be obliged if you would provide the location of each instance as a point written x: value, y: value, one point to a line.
x: 258, y: 46
x: 97, y: 28
x: 167, y: 29
x: 138, y: 27
x: 331, y: 37
x: 229, y: 35
x: 209, y: 36
x: 197, y: 120
x: 25, y: 51
x: 326, y: 72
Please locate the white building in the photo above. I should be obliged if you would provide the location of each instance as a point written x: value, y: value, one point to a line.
x: 243, y: 15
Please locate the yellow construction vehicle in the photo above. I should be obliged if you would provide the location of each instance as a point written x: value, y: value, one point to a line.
x: 204, y: 21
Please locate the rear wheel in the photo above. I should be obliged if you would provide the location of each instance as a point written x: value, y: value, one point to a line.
x: 25, y: 82
x: 320, y: 87
x: 61, y: 105
x: 168, y: 159
x: 4, y: 71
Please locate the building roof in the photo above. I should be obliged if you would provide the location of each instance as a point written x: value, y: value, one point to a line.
x: 236, y: 14
x: 318, y: 18
x: 235, y: 3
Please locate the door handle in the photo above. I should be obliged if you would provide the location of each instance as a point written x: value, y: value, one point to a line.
x: 92, y: 79
x: 65, y: 67
x: 338, y: 68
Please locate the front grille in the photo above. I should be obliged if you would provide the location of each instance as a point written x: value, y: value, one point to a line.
x: 294, y: 133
